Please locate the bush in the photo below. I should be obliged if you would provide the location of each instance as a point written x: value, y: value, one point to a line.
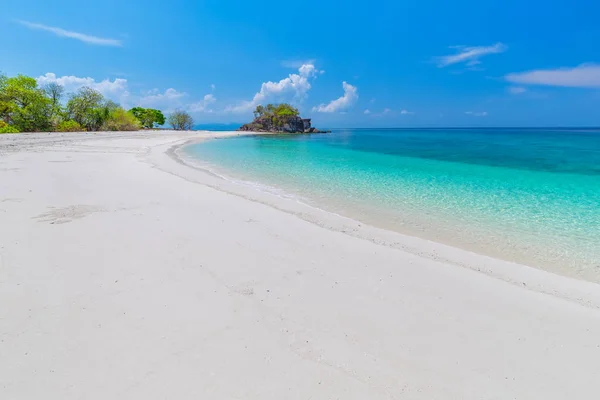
x: 121, y: 120
x: 181, y: 121
x: 6, y: 128
x: 69, y: 126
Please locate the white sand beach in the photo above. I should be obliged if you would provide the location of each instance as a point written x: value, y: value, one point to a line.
x: 127, y: 274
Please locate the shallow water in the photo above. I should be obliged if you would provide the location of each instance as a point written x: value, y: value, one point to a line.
x: 525, y: 195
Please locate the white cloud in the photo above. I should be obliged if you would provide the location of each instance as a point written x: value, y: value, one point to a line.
x: 169, y: 99
x: 308, y: 70
x: 477, y: 114
x: 516, y: 90
x: 367, y: 111
x: 342, y: 103
x: 73, y: 35
x: 406, y: 112
x: 294, y: 87
x: 470, y: 55
x: 117, y: 90
x: 114, y: 90
x: 583, y: 76
x: 202, y: 106
x: 212, y: 86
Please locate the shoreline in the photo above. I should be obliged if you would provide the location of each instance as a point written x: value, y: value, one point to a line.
x: 132, y: 274
x: 572, y: 288
x: 439, y: 229
x: 509, y: 270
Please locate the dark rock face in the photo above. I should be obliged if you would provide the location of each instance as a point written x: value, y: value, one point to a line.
x: 291, y: 124
x: 307, y: 125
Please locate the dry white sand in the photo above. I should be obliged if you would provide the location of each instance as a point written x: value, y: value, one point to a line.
x: 125, y: 274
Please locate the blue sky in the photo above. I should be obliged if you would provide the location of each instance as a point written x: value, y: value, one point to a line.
x: 363, y: 64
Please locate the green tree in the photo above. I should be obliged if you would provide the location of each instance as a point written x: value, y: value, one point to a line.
x: 4, y: 105
x: 54, y: 92
x: 181, y: 121
x: 273, y: 116
x: 259, y: 111
x: 286, y: 110
x: 121, y: 120
x: 139, y: 113
x: 89, y: 109
x: 148, y: 116
x: 23, y: 105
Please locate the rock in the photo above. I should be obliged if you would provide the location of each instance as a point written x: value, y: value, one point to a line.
x: 290, y: 124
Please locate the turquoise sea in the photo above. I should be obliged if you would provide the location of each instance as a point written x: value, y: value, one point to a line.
x: 525, y: 195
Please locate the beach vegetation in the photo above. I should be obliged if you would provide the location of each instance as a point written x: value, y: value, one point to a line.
x: 121, y: 120
x: 6, y: 128
x: 181, y: 120
x: 148, y: 117
x: 275, y: 115
x: 23, y: 105
x: 281, y: 117
x: 86, y: 108
x: 276, y: 111
x: 27, y: 107
x: 69, y: 126
x: 55, y: 92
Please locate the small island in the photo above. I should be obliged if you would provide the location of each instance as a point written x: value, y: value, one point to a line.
x: 282, y: 118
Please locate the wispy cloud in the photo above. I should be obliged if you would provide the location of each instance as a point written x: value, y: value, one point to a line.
x: 469, y: 55
x: 582, y: 76
x: 342, y: 103
x: 367, y: 111
x: 389, y: 112
x: 73, y: 35
x: 516, y: 90
x: 477, y: 114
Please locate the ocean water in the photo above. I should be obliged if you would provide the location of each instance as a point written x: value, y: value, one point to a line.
x: 217, y: 127
x: 525, y: 195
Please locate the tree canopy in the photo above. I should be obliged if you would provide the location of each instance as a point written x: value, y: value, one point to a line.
x: 181, y: 120
x: 276, y: 110
x: 148, y: 117
x: 23, y: 105
x: 273, y: 116
x: 27, y: 107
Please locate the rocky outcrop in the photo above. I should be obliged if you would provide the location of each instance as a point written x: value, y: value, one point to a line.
x: 290, y: 124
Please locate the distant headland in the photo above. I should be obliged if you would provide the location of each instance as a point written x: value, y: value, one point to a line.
x: 279, y: 118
